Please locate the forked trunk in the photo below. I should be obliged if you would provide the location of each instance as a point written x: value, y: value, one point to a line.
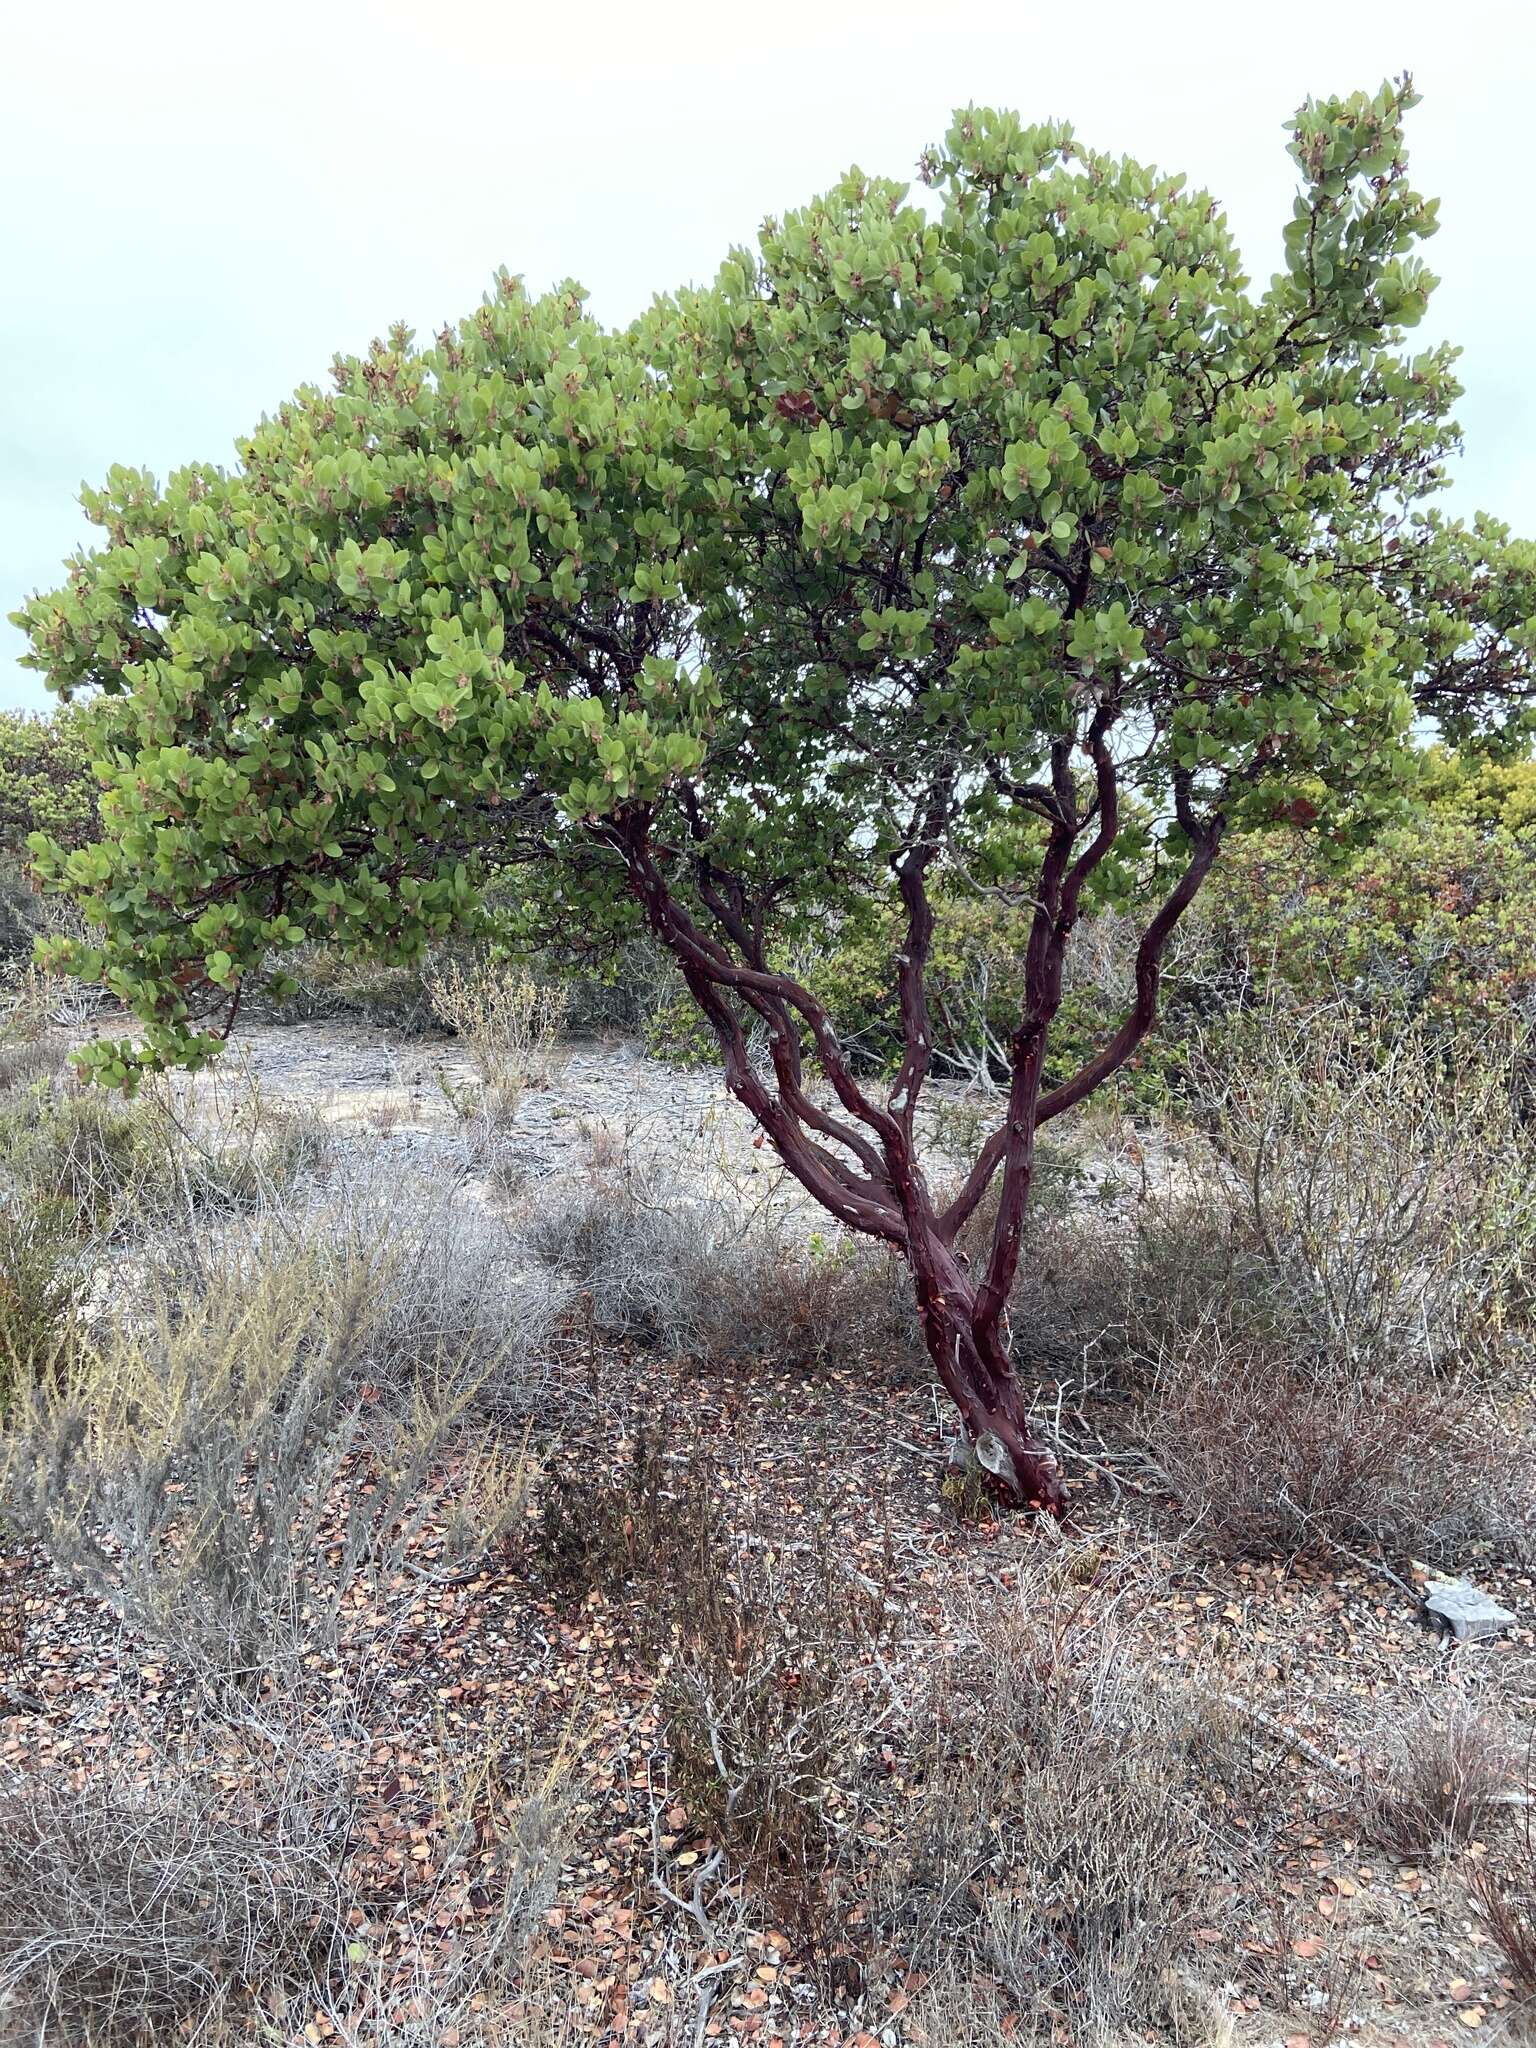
x: 978, y: 1376
x: 857, y: 1156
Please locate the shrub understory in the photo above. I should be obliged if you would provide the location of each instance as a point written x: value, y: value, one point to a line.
x: 188, y: 1465
x: 693, y: 1279
x: 229, y: 1884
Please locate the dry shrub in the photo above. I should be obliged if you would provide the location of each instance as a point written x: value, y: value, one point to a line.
x: 956, y: 2009
x: 1274, y: 1436
x: 451, y: 1305
x: 27, y: 1007
x: 1445, y: 1777
x: 84, y: 1153
x: 596, y: 1533
x: 635, y: 1253
x: 768, y: 1717
x: 1054, y: 1833
x: 1194, y: 1263
x: 1313, y: 1326
x: 510, y: 1024
x: 1384, y: 1176
x: 187, y: 1467
x: 773, y: 1299
x: 1070, y: 1302
x: 762, y: 1648
x: 1503, y: 1884
x: 1269, y: 1458
x: 617, y: 991
x: 229, y: 1883
x: 126, y: 1907
x: 699, y: 1279
x: 242, y: 1153
x: 1073, y: 1290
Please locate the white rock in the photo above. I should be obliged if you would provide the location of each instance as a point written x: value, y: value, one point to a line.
x: 1471, y: 1615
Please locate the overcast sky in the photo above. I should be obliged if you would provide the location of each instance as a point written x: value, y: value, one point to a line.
x: 200, y: 204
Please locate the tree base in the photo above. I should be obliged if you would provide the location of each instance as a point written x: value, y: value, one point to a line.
x: 987, y: 1462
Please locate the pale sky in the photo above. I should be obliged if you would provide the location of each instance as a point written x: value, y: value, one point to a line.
x: 199, y: 204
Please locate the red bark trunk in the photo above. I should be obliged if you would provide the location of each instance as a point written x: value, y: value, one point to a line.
x: 979, y: 1378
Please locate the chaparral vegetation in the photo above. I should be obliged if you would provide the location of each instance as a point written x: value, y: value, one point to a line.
x: 722, y: 953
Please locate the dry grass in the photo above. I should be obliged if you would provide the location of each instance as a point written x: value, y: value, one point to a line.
x: 1448, y: 1774
x: 329, y: 982
x: 510, y: 1024
x: 187, y: 1467
x: 957, y: 2007
x: 26, y: 1057
x: 82, y: 1152
x: 27, y: 1066
x: 125, y: 1906
x: 27, y: 1004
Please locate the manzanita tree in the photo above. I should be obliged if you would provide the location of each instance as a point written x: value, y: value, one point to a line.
x: 1006, y: 537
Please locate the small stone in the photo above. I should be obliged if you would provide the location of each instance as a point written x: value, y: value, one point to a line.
x: 1471, y: 1615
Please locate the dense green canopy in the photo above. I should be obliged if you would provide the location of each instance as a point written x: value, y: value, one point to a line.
x: 895, y: 536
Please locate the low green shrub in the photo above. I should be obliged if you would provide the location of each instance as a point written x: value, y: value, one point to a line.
x: 46, y: 785
x: 83, y: 1153
x: 1433, y: 923
x: 328, y: 985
